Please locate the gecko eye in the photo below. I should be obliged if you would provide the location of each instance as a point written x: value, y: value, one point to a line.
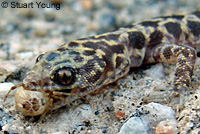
x: 39, y: 57
x: 64, y: 76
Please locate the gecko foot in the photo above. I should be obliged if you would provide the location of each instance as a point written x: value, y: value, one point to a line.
x: 165, y: 95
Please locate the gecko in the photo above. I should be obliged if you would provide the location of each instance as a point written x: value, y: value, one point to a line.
x: 82, y: 66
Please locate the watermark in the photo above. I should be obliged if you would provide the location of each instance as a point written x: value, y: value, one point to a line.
x: 36, y: 4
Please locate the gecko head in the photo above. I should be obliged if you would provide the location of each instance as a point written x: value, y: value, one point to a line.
x: 67, y: 69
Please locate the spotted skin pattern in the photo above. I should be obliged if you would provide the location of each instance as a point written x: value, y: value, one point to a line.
x: 99, y: 60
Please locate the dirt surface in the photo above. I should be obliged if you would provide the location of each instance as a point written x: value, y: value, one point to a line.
x: 27, y: 32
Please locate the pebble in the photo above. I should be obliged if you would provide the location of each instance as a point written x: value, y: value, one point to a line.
x: 166, y: 127
x: 156, y: 72
x: 66, y: 29
x: 104, y: 131
x: 10, y: 27
x: 5, y: 128
x: 50, y: 16
x: 96, y: 112
x: 4, y: 88
x: 157, y: 113
x: 40, y: 32
x: 87, y: 4
x: 25, y: 55
x: 5, y: 119
x: 134, y: 125
x: 4, y: 50
x: 152, y: 116
x: 106, y: 21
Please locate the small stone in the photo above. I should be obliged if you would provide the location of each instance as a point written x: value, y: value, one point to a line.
x: 120, y: 115
x: 87, y: 4
x: 4, y: 88
x: 25, y: 55
x: 5, y: 128
x: 104, y: 131
x: 39, y: 32
x: 134, y: 126
x: 50, y: 16
x: 107, y: 21
x: 157, y: 113
x: 166, y: 127
x: 10, y: 27
x: 67, y: 29
x: 77, y: 6
x: 28, y: 128
x: 156, y: 72
x: 190, y: 124
x: 96, y: 113
x: 28, y: 13
x: 4, y: 50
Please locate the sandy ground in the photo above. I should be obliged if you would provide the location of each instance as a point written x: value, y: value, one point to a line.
x: 27, y: 32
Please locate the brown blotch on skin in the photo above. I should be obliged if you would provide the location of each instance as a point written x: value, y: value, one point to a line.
x: 197, y: 13
x: 61, y: 49
x: 156, y: 38
x: 136, y: 39
x: 73, y: 44
x: 119, y: 61
x: 149, y: 23
x: 178, y: 17
x: 74, y: 53
x: 107, y: 37
x: 89, y: 52
x: 174, y: 28
x: 118, y: 49
x: 91, y: 44
x: 194, y: 27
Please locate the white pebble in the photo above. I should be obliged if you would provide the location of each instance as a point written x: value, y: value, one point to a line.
x: 5, y: 128
x: 4, y: 88
x: 134, y: 126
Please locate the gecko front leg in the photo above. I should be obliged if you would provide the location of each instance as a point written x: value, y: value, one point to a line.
x: 184, y: 57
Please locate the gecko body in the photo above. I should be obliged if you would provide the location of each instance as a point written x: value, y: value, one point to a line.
x: 78, y: 68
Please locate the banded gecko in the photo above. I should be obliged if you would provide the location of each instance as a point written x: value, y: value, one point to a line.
x: 82, y: 66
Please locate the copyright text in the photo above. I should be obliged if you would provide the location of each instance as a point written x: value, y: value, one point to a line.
x: 36, y: 4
